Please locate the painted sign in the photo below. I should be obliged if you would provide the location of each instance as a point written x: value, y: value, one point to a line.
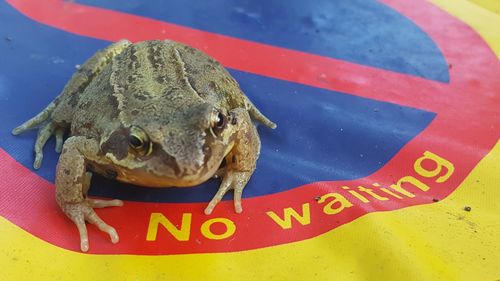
x: 358, y: 132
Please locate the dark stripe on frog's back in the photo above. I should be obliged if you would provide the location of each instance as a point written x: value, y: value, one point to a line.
x: 210, y: 79
x: 147, y: 71
x: 167, y: 72
x: 97, y: 108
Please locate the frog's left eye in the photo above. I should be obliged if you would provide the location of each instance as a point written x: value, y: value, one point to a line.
x: 220, y: 121
x: 139, y: 141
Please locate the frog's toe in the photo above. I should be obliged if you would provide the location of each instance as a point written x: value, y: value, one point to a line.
x: 94, y: 219
x: 232, y: 180
x: 210, y: 207
x: 240, y: 180
x: 43, y: 136
x: 81, y: 212
x: 59, y: 134
x: 97, y: 203
x: 238, y: 191
x: 224, y: 187
x: 18, y: 130
x: 38, y: 160
x: 82, y: 229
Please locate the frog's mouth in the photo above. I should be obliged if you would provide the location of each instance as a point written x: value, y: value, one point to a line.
x: 163, y: 170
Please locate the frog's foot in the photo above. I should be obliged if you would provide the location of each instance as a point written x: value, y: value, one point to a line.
x: 81, y: 212
x: 45, y: 131
x: 235, y: 180
x: 35, y: 121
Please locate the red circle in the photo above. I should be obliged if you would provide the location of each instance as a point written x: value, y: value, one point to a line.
x: 466, y: 118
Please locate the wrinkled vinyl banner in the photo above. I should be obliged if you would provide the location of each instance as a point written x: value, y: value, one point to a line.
x: 384, y: 166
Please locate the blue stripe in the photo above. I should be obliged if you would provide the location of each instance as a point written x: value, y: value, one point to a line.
x: 360, y: 31
x: 321, y: 135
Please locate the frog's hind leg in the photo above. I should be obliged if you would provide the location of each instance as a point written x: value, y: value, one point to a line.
x: 78, y: 81
x: 35, y: 121
x: 46, y: 130
x: 56, y: 118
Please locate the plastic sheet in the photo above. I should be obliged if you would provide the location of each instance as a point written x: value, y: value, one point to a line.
x: 385, y: 164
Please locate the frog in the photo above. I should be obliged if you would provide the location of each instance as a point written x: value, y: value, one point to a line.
x: 156, y: 113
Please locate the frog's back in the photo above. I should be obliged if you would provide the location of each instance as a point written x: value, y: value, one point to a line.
x: 154, y: 79
x: 175, y: 73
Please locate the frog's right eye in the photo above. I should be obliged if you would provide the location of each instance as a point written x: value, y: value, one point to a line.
x: 139, y: 141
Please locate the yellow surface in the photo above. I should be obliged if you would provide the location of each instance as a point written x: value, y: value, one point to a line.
x: 484, y: 22
x: 493, y: 6
x: 439, y: 241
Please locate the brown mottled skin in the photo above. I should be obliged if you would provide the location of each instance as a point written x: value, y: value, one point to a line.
x: 153, y: 113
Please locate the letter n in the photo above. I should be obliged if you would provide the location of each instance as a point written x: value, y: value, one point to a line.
x: 181, y: 234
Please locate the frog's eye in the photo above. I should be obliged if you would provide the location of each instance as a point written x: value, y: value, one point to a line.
x: 220, y: 121
x: 135, y: 142
x: 139, y: 141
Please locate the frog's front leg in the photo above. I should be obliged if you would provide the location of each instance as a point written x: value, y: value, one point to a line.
x: 240, y: 162
x: 72, y: 183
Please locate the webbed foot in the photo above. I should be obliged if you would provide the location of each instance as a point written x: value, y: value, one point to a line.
x: 83, y: 212
x: 235, y: 180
